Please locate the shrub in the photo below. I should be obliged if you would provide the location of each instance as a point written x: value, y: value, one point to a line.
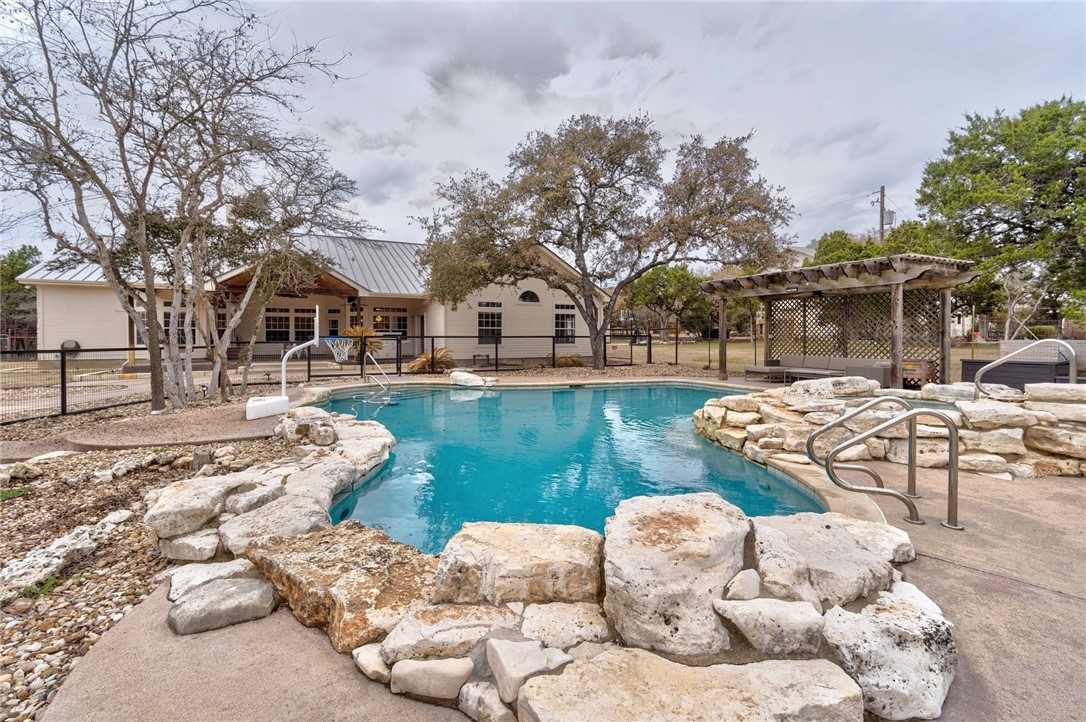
x: 442, y: 361
x: 1039, y: 332
x: 565, y: 360
x: 366, y: 332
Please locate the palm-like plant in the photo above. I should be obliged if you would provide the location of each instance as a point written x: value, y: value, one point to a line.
x: 442, y: 360
x: 373, y: 343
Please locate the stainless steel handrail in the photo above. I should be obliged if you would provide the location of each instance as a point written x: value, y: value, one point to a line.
x: 952, y: 466
x: 1070, y: 355
x: 388, y: 381
x: 911, y: 493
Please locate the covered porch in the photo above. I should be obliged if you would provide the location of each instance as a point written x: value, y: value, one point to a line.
x: 290, y: 317
x: 893, y: 311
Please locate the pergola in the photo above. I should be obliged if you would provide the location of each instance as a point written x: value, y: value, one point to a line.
x: 895, y: 308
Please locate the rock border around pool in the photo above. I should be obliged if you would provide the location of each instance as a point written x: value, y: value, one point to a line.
x: 681, y: 601
x: 1039, y: 432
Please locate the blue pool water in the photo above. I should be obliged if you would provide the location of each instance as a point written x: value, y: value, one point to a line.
x: 559, y: 456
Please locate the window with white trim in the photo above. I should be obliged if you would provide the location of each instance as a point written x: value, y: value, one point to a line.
x: 528, y: 297
x: 490, y: 304
x: 565, y: 328
x: 276, y: 326
x: 490, y: 327
x: 564, y: 307
x: 303, y: 328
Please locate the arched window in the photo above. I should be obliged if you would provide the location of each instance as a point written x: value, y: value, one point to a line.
x: 529, y: 297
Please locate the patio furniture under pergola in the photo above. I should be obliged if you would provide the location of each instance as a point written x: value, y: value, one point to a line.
x: 894, y: 308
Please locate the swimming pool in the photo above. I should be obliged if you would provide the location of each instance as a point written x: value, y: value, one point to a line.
x: 545, y: 455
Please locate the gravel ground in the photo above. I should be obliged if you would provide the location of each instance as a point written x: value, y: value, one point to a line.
x: 41, y: 638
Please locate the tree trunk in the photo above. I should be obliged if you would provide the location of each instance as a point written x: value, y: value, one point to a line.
x: 599, y: 349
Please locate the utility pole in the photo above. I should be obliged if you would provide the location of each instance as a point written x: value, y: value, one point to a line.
x: 882, y: 215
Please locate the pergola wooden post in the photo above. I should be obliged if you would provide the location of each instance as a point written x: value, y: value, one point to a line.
x: 722, y: 341
x: 897, y: 333
x: 944, y: 336
x: 877, y: 309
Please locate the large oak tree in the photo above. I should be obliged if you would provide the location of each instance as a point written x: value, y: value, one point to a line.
x: 592, y: 193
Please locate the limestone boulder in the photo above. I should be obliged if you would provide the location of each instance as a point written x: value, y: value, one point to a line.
x: 1031, y: 466
x: 1074, y: 412
x: 884, y: 541
x: 190, y: 576
x: 1054, y: 440
x: 369, y: 661
x: 775, y: 627
x: 742, y: 418
x: 666, y: 559
x: 994, y: 441
x: 992, y: 414
x: 195, y: 547
x: 745, y: 403
x: 286, y: 516
x: 495, y: 563
x: 354, y: 582
x: 632, y: 685
x: 221, y: 603
x: 784, y: 572
x: 930, y: 453
x: 1061, y: 393
x: 303, y: 423
x: 513, y: 663
x: 984, y: 463
x: 464, y: 378
x: 366, y: 447
x: 330, y: 475
x: 795, y: 436
x: 744, y: 585
x: 839, y: 568
x: 731, y: 438
x: 481, y: 702
x: 561, y: 625
x: 900, y: 650
x: 185, y: 506
x: 775, y: 415
x: 251, y: 496
x: 433, y: 679
x: 837, y: 386
x: 760, y: 431
x: 44, y: 562
x: 444, y: 630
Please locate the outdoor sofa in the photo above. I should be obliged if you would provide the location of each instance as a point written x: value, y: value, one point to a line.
x: 789, y: 368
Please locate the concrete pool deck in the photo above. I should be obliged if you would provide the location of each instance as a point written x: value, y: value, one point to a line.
x: 1014, y: 584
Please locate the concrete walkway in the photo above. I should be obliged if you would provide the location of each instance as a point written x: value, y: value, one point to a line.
x: 1013, y: 583
x: 273, y: 670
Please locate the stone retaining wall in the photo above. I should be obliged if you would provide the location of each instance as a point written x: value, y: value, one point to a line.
x: 1041, y: 432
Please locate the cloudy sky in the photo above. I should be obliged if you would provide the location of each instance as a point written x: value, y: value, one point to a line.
x: 842, y: 97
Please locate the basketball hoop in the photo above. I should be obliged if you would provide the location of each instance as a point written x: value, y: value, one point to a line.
x: 341, y: 348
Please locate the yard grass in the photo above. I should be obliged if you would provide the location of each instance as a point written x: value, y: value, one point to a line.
x: 700, y: 354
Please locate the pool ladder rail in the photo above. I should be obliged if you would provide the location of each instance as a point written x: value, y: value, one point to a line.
x: 907, y: 416
x: 1066, y: 350
x: 386, y: 386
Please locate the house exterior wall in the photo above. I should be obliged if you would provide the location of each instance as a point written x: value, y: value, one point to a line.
x: 89, y: 315
x: 517, y: 319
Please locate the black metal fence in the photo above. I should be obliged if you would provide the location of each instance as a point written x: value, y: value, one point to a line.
x: 41, y: 383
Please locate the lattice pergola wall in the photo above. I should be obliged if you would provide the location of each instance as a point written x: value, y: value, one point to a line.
x: 895, y: 308
x: 856, y: 326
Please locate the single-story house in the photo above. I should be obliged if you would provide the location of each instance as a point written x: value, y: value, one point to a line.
x: 375, y: 283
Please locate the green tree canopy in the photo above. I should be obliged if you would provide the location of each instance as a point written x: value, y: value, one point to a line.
x: 1012, y: 191
x: 669, y: 292
x: 18, y: 303
x: 592, y: 194
x: 838, y: 246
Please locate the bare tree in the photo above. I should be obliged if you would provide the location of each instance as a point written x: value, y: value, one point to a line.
x: 592, y: 194
x: 113, y: 112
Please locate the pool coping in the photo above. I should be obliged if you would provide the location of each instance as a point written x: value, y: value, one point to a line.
x: 809, y: 476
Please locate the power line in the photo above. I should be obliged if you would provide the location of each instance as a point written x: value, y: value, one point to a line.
x: 831, y: 205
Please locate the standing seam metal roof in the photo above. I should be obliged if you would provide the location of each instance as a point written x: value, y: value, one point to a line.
x: 380, y: 267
